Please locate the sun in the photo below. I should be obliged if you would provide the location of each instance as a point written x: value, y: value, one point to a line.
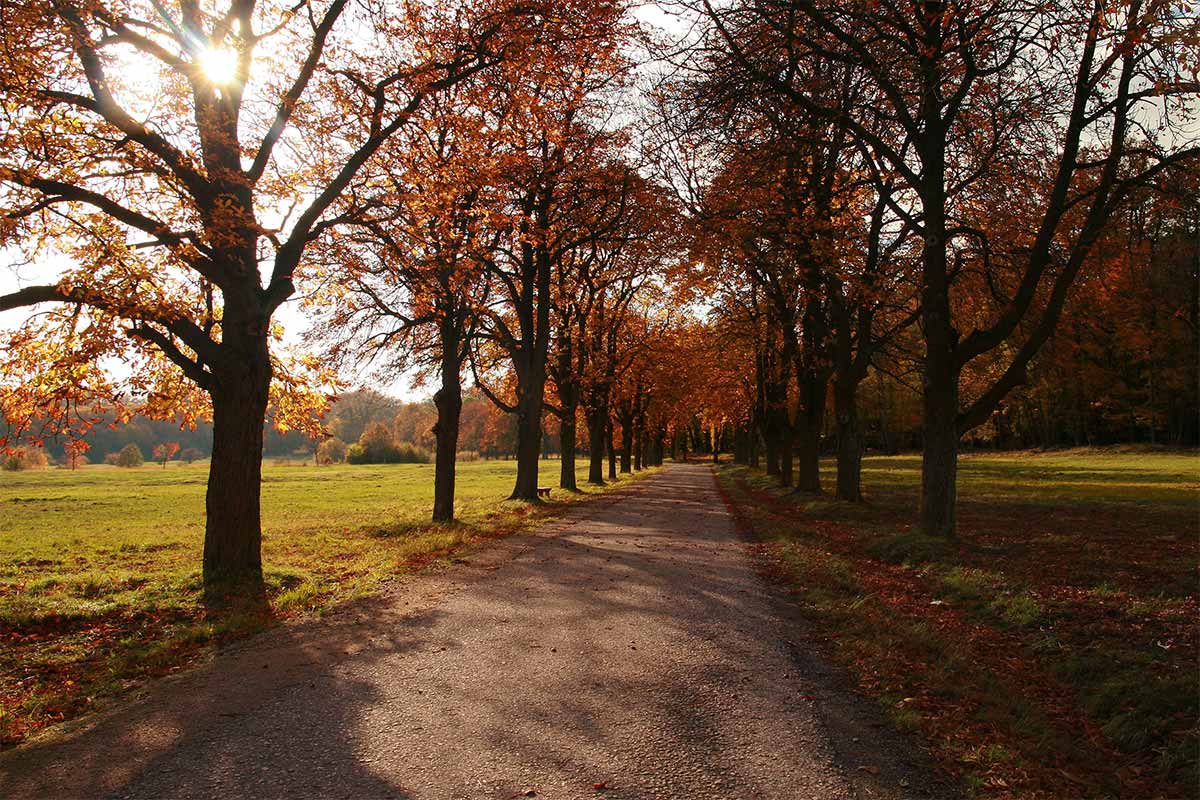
x: 219, y: 65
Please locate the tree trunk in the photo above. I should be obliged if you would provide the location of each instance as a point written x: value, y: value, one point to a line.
x: 612, y: 452
x: 639, y: 444
x: 566, y: 438
x: 772, y: 455
x: 595, y: 420
x: 785, y: 456
x: 808, y: 477
x: 849, y: 456
x: 529, y: 441
x: 626, y: 443
x: 232, y: 531
x: 448, y: 401
x: 939, y: 459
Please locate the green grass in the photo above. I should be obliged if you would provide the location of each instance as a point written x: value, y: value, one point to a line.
x: 100, y: 567
x: 1058, y: 629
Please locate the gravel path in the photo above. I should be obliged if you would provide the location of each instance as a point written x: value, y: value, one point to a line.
x: 628, y: 651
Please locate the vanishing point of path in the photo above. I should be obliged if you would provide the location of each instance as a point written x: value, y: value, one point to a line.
x: 627, y: 651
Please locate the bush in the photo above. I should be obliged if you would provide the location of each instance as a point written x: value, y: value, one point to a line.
x: 375, y: 450
x: 467, y: 455
x: 25, y: 458
x: 331, y: 451
x: 190, y: 454
x: 130, y: 456
x: 111, y: 459
x: 407, y: 453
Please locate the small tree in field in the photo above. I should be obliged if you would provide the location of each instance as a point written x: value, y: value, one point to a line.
x: 190, y: 454
x: 165, y: 452
x: 73, y: 453
x: 130, y: 456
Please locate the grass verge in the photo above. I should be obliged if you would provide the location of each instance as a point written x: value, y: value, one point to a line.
x: 100, y: 583
x: 1050, y: 651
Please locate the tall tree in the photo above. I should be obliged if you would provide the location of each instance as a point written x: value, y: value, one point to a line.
x: 156, y: 148
x: 550, y: 117
x: 1059, y: 108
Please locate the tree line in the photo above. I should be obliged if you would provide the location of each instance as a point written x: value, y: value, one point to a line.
x: 741, y: 228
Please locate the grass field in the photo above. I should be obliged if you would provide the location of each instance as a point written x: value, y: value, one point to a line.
x: 100, y: 567
x: 1051, y: 651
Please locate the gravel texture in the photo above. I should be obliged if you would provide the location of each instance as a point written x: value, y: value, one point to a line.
x: 628, y: 651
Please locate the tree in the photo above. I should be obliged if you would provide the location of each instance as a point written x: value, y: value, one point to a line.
x: 190, y: 454
x: 165, y: 452
x: 130, y: 456
x: 170, y: 208
x: 549, y: 114
x: 962, y: 99
x: 73, y: 453
x: 409, y: 286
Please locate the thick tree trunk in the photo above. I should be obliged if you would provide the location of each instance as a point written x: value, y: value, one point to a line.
x: 808, y: 437
x: 595, y: 420
x: 639, y: 445
x: 849, y: 457
x: 939, y: 456
x: 612, y: 451
x: 448, y: 401
x: 529, y: 441
x: 566, y: 438
x: 785, y: 456
x: 232, y: 531
x: 626, y: 444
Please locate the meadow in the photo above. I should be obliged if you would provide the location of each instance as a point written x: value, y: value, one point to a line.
x: 1050, y: 651
x: 100, y: 566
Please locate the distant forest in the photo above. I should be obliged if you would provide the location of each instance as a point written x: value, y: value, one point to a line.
x: 485, y: 431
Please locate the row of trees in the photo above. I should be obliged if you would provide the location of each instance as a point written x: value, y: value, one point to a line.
x: 896, y: 183
x: 176, y: 171
x: 848, y: 188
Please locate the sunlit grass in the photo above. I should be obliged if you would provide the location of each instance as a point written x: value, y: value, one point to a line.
x: 100, y: 567
x: 1057, y: 630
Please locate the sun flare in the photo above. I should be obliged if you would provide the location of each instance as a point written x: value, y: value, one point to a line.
x: 219, y: 65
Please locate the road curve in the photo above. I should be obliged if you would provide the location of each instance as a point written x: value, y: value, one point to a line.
x: 628, y: 651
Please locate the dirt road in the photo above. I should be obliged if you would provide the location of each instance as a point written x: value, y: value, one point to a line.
x: 629, y: 651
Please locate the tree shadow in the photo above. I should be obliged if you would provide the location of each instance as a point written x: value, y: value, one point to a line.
x: 275, y: 716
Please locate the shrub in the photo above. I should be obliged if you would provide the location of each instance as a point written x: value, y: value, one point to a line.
x: 467, y: 455
x: 331, y: 451
x: 25, y: 458
x: 190, y: 454
x: 408, y: 453
x: 376, y: 446
x: 355, y: 454
x: 130, y: 456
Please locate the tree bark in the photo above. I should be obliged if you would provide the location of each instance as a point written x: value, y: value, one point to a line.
x: 849, y: 456
x: 529, y: 439
x: 232, y: 531
x: 566, y: 438
x: 810, y: 421
x: 626, y: 442
x: 612, y: 452
x: 448, y: 401
x: 595, y: 420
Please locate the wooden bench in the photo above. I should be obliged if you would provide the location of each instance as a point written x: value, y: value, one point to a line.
x: 544, y: 491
